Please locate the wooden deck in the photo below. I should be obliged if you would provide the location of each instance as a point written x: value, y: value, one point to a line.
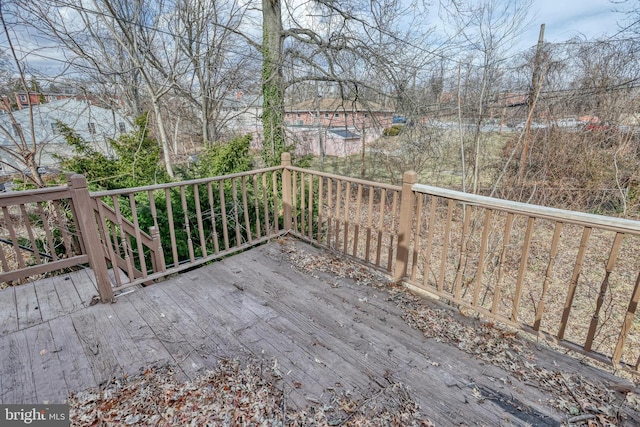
x: 251, y: 305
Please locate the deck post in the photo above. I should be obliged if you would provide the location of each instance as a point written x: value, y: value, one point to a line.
x: 405, y: 224
x: 286, y: 190
x: 88, y: 231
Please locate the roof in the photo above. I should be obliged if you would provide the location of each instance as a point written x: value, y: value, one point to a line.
x: 62, y: 108
x: 337, y: 104
x: 344, y: 133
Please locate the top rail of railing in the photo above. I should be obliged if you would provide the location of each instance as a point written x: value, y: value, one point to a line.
x: 561, y: 215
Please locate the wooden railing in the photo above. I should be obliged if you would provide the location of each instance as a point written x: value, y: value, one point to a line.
x: 572, y: 277
x: 356, y: 217
x: 194, y: 221
x: 48, y: 230
x: 567, y: 276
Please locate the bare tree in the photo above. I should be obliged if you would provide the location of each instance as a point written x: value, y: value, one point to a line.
x: 122, y: 41
x: 22, y: 151
x: 489, y: 28
x: 359, y: 46
x: 216, y: 54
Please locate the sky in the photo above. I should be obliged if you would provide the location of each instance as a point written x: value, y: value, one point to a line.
x: 565, y: 19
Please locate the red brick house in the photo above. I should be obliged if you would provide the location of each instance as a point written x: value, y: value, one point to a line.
x: 22, y: 98
x: 335, y: 112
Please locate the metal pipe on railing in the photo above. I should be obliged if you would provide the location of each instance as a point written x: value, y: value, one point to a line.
x: 26, y: 248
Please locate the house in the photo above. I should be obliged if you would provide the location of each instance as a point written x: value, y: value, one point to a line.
x: 36, y: 98
x: 336, y: 112
x: 335, y: 127
x: 95, y: 125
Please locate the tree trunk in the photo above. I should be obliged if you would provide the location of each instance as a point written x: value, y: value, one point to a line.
x: 206, y: 137
x: 272, y: 82
x: 164, y: 141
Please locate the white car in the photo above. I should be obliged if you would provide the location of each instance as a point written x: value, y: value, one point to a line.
x: 534, y: 125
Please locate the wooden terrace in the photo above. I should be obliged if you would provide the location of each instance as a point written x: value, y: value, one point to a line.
x: 145, y: 290
x: 320, y: 332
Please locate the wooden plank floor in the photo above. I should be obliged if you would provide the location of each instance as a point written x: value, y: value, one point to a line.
x: 251, y: 305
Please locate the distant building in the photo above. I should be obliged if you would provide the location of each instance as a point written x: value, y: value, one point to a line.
x: 23, y: 98
x: 95, y: 125
x: 336, y: 112
x: 335, y: 127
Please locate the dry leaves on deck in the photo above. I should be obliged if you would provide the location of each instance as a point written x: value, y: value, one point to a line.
x: 233, y: 395
x: 583, y: 402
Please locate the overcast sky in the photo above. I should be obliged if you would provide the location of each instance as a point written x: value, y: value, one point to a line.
x: 565, y: 19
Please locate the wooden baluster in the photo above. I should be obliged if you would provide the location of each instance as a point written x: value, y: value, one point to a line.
x: 347, y: 202
x: 245, y: 206
x: 47, y: 231
x: 124, y: 240
x: 505, y: 246
x: 320, y: 203
x: 265, y: 202
x: 393, y: 233
x: 430, y: 234
x: 172, y: 231
x: 256, y: 206
x: 367, y: 249
x: 294, y: 201
x: 138, y: 236
x: 586, y: 232
x: 303, y: 218
x: 336, y: 214
x: 223, y: 214
x: 483, y: 254
x: 32, y: 239
x: 462, y: 259
x: 627, y: 323
x: 524, y: 258
x: 276, y: 207
x: 445, y: 245
x: 214, y: 225
x: 234, y: 194
x: 187, y: 226
x: 196, y: 200
x: 329, y: 210
x: 310, y: 209
x: 383, y: 202
x: 356, y: 228
x: 416, y: 238
x: 611, y: 263
x: 547, y: 277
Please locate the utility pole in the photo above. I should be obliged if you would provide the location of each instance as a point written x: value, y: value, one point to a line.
x: 536, y: 81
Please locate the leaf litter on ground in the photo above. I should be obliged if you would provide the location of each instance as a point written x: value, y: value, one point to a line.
x: 249, y: 393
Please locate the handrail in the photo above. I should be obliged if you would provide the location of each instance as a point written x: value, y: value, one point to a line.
x: 579, y: 218
x: 346, y: 178
x: 13, y: 198
x: 123, y: 191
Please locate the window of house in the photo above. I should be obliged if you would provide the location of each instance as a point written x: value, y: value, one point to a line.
x: 299, y: 115
x: 326, y: 115
x: 336, y: 115
x: 366, y: 116
x: 92, y: 128
x: 23, y: 98
x: 121, y: 127
x: 288, y: 115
